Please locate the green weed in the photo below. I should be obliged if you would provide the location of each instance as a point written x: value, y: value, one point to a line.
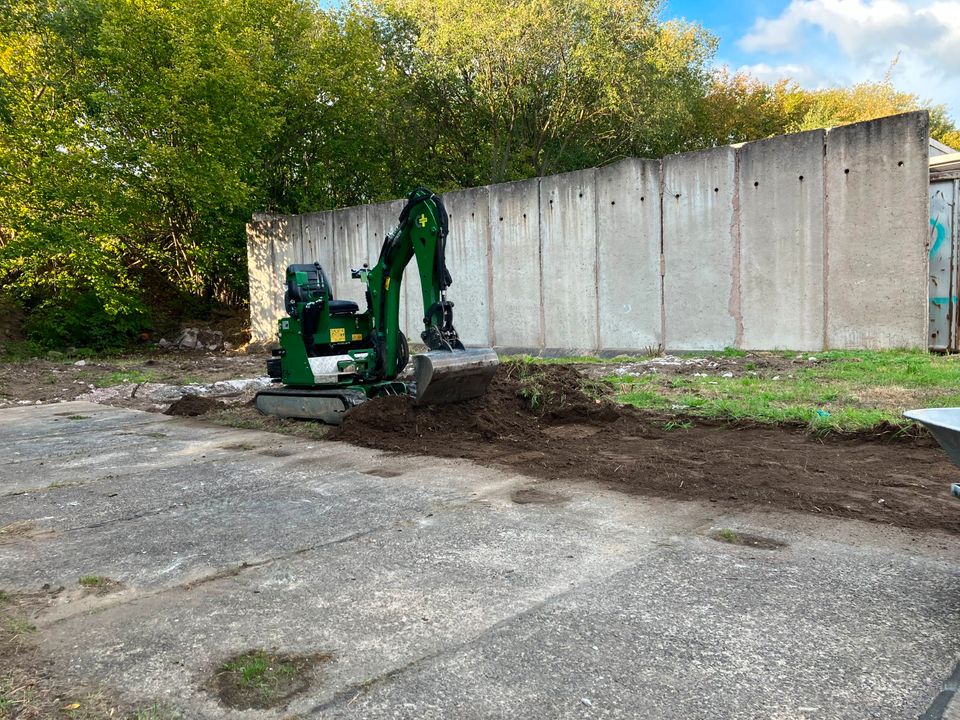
x: 728, y: 535
x: 156, y: 712
x: 19, y: 626
x: 119, y: 377
x: 94, y: 581
x: 253, y: 668
x: 258, y: 679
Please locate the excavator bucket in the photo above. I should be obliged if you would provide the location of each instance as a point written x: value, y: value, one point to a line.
x: 445, y: 376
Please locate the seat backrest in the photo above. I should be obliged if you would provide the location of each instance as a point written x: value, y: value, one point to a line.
x: 316, y: 286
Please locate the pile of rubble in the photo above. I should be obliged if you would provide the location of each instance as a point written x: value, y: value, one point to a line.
x: 157, y: 397
x: 197, y: 339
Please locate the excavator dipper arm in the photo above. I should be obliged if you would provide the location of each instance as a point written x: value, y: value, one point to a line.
x: 447, y: 372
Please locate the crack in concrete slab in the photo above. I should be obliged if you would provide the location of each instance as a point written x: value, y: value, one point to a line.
x: 129, y: 518
x: 222, y: 574
x: 349, y: 694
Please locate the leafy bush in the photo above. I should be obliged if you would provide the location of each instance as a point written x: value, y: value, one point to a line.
x: 84, y: 322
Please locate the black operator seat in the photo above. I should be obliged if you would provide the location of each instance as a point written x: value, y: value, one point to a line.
x: 342, y: 307
x: 336, y: 307
x: 317, y: 284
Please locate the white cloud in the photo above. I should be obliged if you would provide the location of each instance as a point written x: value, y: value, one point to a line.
x: 807, y: 76
x: 824, y: 42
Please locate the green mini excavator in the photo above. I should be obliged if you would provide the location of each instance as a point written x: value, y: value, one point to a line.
x: 333, y: 357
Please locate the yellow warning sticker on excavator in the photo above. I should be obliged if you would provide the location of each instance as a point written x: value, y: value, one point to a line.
x: 422, y: 220
x: 357, y: 336
x: 338, y: 335
x: 386, y: 284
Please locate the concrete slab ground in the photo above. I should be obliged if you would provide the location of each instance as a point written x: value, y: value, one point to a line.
x: 439, y: 596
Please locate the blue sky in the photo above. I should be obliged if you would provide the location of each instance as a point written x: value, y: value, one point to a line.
x: 821, y: 43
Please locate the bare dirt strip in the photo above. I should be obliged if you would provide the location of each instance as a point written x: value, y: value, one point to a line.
x: 900, y: 481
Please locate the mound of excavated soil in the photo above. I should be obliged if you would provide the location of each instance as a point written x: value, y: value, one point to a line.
x: 192, y: 406
x: 571, y: 436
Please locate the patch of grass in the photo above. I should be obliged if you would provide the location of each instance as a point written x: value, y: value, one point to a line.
x: 539, y: 360
x: 839, y: 391
x: 98, y: 584
x: 646, y: 399
x: 260, y: 679
x: 5, y: 596
x: 78, y: 417
x: 21, y: 351
x: 238, y: 446
x: 94, y: 581
x: 530, y: 380
x: 252, y: 669
x: 727, y: 535
x: 156, y: 712
x: 678, y: 425
x: 578, y: 359
x: 19, y: 625
x: 120, y: 377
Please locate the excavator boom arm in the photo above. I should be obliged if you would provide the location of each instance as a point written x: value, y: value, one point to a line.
x: 421, y: 234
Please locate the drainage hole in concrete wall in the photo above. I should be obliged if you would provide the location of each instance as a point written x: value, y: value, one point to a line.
x: 501, y: 219
x: 846, y: 171
x: 716, y: 189
x: 900, y: 164
x: 677, y: 196
x: 613, y: 202
x: 756, y: 183
x: 524, y: 216
x: 641, y: 198
x: 801, y: 178
x: 581, y: 194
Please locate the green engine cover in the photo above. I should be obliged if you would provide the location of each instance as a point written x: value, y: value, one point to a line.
x: 322, y: 341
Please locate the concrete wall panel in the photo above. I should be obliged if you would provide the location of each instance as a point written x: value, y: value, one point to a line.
x: 351, y: 247
x: 780, y: 194
x: 381, y: 219
x: 468, y: 259
x: 700, y: 297
x: 318, y: 245
x: 628, y: 230
x: 876, y: 232
x: 287, y: 250
x: 515, y: 245
x: 260, y: 269
x: 568, y: 235
x: 752, y: 255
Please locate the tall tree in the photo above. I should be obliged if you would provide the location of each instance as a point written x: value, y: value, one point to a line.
x: 530, y: 87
